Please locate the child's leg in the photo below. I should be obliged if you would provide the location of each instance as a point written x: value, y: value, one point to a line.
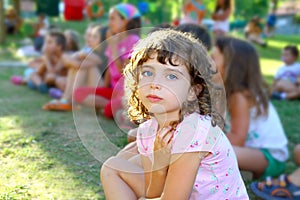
x: 50, y: 78
x: 250, y: 159
x: 93, y: 77
x: 60, y: 82
x: 284, y: 86
x: 71, y: 80
x: 290, y: 89
x: 36, y: 78
x: 297, y: 154
x: 93, y: 97
x: 128, y: 151
x: 123, y: 179
x: 295, y: 177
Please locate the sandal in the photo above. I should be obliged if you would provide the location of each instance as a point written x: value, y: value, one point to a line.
x: 282, y: 189
x: 57, y: 105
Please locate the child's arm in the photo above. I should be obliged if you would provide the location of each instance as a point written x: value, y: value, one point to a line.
x: 112, y: 42
x: 41, y: 67
x: 183, y: 172
x: 70, y: 62
x: 156, y: 170
x: 106, y: 80
x: 239, y: 107
x: 36, y: 62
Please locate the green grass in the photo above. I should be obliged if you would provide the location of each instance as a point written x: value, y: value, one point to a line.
x: 44, y: 155
x: 41, y: 153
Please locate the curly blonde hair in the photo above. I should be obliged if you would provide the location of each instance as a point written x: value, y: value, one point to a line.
x: 170, y: 46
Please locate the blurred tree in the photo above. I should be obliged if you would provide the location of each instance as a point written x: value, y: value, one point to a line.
x: 274, y: 5
x: 16, y: 5
x: 2, y: 28
x: 247, y: 9
x: 296, y: 20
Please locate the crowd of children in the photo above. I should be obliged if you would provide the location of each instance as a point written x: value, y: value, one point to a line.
x: 177, y: 94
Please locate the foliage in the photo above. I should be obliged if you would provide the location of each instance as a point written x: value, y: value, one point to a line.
x: 296, y: 19
x: 247, y: 9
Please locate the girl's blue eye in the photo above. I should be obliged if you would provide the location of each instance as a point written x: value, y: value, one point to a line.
x: 147, y: 73
x: 172, y: 77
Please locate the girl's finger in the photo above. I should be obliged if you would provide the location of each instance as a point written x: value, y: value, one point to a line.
x: 168, y: 137
x: 164, y: 132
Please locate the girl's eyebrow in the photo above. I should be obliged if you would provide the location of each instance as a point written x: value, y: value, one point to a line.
x: 166, y: 69
x: 147, y: 66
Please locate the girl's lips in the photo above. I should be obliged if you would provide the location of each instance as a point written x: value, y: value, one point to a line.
x: 153, y: 98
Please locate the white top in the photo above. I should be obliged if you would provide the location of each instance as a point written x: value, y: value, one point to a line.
x: 267, y: 132
x: 221, y: 24
x: 288, y: 72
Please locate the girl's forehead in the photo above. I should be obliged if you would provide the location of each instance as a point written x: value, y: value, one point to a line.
x: 113, y: 11
x: 153, y: 62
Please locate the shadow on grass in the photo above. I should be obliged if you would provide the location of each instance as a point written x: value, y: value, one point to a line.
x: 41, y: 152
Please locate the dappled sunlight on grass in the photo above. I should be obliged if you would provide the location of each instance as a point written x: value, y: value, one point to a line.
x: 9, y: 122
x: 42, y: 164
x: 269, y: 66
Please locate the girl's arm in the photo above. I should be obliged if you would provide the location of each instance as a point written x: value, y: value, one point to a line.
x: 106, y: 79
x: 239, y: 109
x: 183, y: 171
x: 154, y: 179
x: 118, y: 61
x: 156, y: 171
x: 223, y: 16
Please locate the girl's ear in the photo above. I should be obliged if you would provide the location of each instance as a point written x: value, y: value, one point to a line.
x: 195, y: 90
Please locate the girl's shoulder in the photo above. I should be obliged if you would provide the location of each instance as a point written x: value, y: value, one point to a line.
x: 196, y: 117
x: 195, y: 123
x: 148, y: 127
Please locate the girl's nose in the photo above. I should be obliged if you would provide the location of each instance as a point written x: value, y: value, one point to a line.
x: 154, y: 85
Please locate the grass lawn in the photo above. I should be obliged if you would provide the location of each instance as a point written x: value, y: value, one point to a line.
x: 49, y: 155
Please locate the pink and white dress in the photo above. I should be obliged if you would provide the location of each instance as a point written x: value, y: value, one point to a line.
x: 218, y: 175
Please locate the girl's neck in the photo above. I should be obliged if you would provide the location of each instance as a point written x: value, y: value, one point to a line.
x: 165, y: 119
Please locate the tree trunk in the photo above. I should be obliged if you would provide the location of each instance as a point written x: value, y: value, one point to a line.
x: 2, y: 27
x: 16, y: 4
x: 275, y: 5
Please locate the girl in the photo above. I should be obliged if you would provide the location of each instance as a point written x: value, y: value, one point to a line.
x: 223, y: 10
x: 72, y: 41
x: 254, y: 129
x: 179, y: 138
x: 85, y: 66
x: 122, y: 17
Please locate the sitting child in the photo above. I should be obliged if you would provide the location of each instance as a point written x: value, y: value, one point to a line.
x: 171, y: 94
x: 12, y: 21
x: 287, y: 81
x: 52, y: 69
x: 253, y: 126
x: 87, y: 65
x: 123, y: 33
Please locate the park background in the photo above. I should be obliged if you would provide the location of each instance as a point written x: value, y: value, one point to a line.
x: 41, y: 153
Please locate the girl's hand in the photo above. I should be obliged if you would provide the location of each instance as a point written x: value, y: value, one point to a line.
x: 162, y: 148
